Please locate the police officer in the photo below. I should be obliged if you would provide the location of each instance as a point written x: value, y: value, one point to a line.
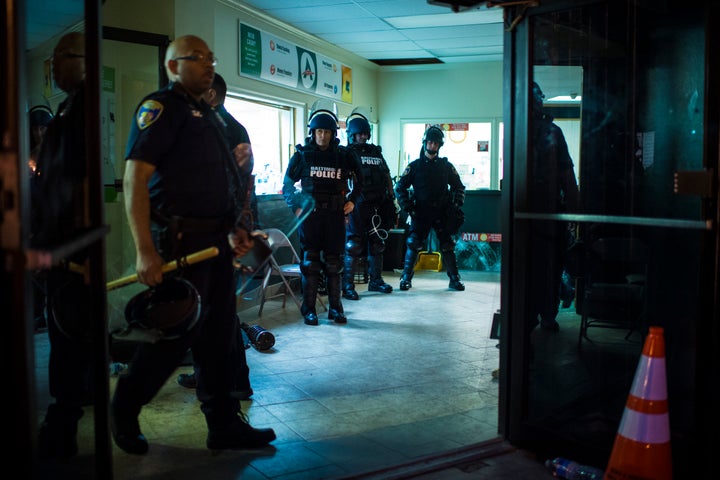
x: 58, y: 216
x: 324, y: 169
x: 184, y: 193
x: 432, y: 206
x: 239, y: 142
x: 373, y: 215
x: 553, y: 189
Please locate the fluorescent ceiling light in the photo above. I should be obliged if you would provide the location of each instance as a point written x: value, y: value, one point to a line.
x: 565, y: 99
x: 475, y: 17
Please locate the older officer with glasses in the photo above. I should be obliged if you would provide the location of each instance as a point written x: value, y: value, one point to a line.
x: 184, y: 193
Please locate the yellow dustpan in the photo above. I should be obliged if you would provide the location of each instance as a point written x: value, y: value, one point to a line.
x: 429, y: 261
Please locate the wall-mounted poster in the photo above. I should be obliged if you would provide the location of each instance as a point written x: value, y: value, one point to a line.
x: 267, y: 57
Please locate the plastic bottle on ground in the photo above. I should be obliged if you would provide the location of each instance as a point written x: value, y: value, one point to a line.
x: 567, y: 469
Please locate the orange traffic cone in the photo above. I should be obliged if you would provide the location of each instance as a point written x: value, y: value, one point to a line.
x: 642, y: 444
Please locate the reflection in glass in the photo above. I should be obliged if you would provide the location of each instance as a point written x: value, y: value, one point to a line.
x: 636, y: 124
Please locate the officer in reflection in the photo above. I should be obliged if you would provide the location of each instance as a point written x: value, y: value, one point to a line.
x: 436, y: 203
x: 39, y: 118
x: 324, y: 169
x: 58, y: 205
x: 553, y: 189
x: 373, y: 216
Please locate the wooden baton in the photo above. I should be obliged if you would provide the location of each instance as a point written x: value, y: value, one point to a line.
x: 196, y: 257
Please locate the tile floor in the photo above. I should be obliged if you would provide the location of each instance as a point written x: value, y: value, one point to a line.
x: 408, y: 377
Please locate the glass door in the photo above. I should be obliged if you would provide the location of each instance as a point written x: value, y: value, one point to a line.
x: 613, y: 224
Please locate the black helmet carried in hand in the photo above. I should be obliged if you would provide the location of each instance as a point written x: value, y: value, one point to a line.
x: 40, y: 116
x: 171, y: 308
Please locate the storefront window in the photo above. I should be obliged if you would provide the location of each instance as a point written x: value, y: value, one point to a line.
x: 468, y: 146
x: 269, y: 128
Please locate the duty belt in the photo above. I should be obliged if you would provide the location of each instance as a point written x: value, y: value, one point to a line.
x: 328, y: 202
x: 203, y: 225
x: 193, y: 224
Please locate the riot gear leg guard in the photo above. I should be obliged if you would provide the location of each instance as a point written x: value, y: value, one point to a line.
x: 450, y: 261
x: 376, y: 283
x: 333, y: 267
x: 348, y: 289
x: 311, y: 267
x: 408, y: 269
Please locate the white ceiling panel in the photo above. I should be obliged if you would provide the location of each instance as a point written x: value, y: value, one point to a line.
x: 341, y: 23
x: 359, y: 26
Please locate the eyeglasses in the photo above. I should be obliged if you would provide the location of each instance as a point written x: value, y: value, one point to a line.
x: 67, y: 55
x: 200, y: 58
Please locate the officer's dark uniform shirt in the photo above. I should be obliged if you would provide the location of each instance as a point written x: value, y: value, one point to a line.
x: 551, y: 159
x: 376, y: 174
x: 430, y: 180
x: 322, y: 174
x: 58, y: 199
x: 235, y: 132
x: 192, y: 178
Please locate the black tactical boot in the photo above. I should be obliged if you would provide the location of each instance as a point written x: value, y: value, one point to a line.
x: 408, y: 269
x: 187, y: 380
x: 336, y: 311
x: 126, y: 429
x: 310, y: 289
x: 58, y: 433
x: 310, y: 318
x: 456, y: 284
x: 406, y: 282
x: 448, y: 257
x: 548, y: 322
x: 376, y: 283
x: 238, y: 434
x: 348, y: 290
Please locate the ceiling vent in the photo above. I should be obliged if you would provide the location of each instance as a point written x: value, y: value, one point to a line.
x: 456, y: 5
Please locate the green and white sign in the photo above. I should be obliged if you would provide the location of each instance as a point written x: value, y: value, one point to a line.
x: 264, y: 56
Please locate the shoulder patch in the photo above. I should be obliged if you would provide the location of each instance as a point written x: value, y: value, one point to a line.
x: 148, y: 113
x: 406, y: 171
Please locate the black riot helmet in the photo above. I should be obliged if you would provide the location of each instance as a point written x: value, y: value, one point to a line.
x: 40, y: 116
x: 171, y: 308
x: 433, y: 134
x: 537, y: 99
x: 356, y: 123
x: 324, y: 119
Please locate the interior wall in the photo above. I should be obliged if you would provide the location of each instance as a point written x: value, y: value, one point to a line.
x: 456, y: 92
x: 392, y: 95
x: 220, y: 27
x: 134, y: 15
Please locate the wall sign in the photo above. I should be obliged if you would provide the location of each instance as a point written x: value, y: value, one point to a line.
x: 266, y: 57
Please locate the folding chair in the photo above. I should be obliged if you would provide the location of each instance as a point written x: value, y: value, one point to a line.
x: 282, y: 249
x: 614, y: 288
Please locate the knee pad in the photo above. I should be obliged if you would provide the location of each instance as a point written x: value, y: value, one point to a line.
x: 311, y: 264
x: 414, y: 243
x: 376, y: 248
x: 448, y: 246
x: 333, y: 264
x: 353, y: 247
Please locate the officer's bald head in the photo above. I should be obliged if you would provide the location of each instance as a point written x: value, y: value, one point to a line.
x: 190, y: 63
x: 181, y: 47
x: 69, y: 61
